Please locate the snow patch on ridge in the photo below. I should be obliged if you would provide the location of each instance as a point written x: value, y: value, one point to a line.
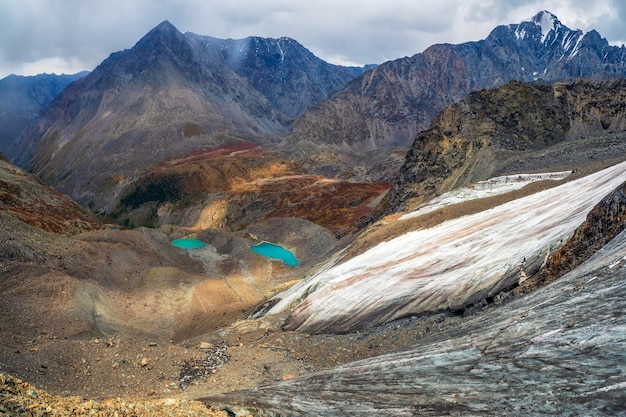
x: 548, y: 23
x: 488, y: 188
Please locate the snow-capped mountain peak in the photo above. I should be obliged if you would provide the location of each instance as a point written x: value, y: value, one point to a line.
x: 543, y: 32
x: 547, y: 22
x: 545, y: 27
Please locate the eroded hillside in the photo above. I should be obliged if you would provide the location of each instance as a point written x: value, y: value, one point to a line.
x: 229, y: 188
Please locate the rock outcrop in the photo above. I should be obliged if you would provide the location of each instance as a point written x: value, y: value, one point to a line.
x: 490, y: 131
x: 603, y: 224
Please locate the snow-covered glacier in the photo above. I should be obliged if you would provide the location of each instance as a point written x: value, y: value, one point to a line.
x: 448, y: 266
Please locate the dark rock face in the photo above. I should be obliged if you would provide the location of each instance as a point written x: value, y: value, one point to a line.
x: 483, y: 134
x: 166, y: 96
x: 22, y: 99
x: 285, y: 72
x: 389, y: 105
x: 557, y: 351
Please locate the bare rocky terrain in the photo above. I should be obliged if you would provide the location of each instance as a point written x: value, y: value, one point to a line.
x: 101, y: 315
x: 107, y: 320
x: 96, y: 319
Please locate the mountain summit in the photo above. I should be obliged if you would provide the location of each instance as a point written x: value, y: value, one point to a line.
x: 545, y: 28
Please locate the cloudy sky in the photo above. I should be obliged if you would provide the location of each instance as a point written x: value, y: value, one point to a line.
x: 67, y: 36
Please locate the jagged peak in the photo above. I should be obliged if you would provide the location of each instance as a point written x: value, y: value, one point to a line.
x: 547, y: 22
x: 283, y: 40
x: 163, y: 30
x: 165, y: 26
x: 545, y: 28
x: 545, y: 17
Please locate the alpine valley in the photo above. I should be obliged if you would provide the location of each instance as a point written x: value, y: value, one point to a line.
x: 457, y: 217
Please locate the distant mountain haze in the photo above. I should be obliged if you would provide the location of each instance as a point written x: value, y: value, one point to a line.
x: 23, y: 99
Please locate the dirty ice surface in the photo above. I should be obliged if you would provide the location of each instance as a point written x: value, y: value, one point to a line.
x: 447, y: 266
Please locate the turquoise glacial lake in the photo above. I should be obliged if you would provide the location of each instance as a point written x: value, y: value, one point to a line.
x: 272, y: 251
x: 188, y: 243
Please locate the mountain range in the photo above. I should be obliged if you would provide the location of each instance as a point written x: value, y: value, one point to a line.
x: 170, y: 94
x: 174, y: 93
x: 389, y: 105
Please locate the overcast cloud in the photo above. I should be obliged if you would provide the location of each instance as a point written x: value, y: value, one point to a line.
x: 67, y: 36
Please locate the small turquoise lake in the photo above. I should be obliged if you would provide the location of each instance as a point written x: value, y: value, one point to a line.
x: 272, y: 251
x: 188, y: 243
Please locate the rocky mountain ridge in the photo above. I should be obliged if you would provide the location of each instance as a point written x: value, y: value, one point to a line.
x: 174, y: 93
x: 285, y: 72
x: 389, y: 105
x: 491, y: 132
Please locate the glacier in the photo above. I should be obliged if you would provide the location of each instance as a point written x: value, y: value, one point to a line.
x: 445, y: 267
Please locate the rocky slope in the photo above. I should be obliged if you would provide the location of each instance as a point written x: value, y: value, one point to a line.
x: 100, y: 311
x: 113, y: 313
x: 22, y: 99
x: 389, y: 105
x: 24, y: 198
x: 554, y: 337
x: 285, y: 72
x: 231, y: 187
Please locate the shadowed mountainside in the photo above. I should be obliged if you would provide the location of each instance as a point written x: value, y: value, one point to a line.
x: 285, y: 72
x: 22, y: 100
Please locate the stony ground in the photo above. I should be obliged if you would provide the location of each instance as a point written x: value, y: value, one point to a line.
x: 165, y: 380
